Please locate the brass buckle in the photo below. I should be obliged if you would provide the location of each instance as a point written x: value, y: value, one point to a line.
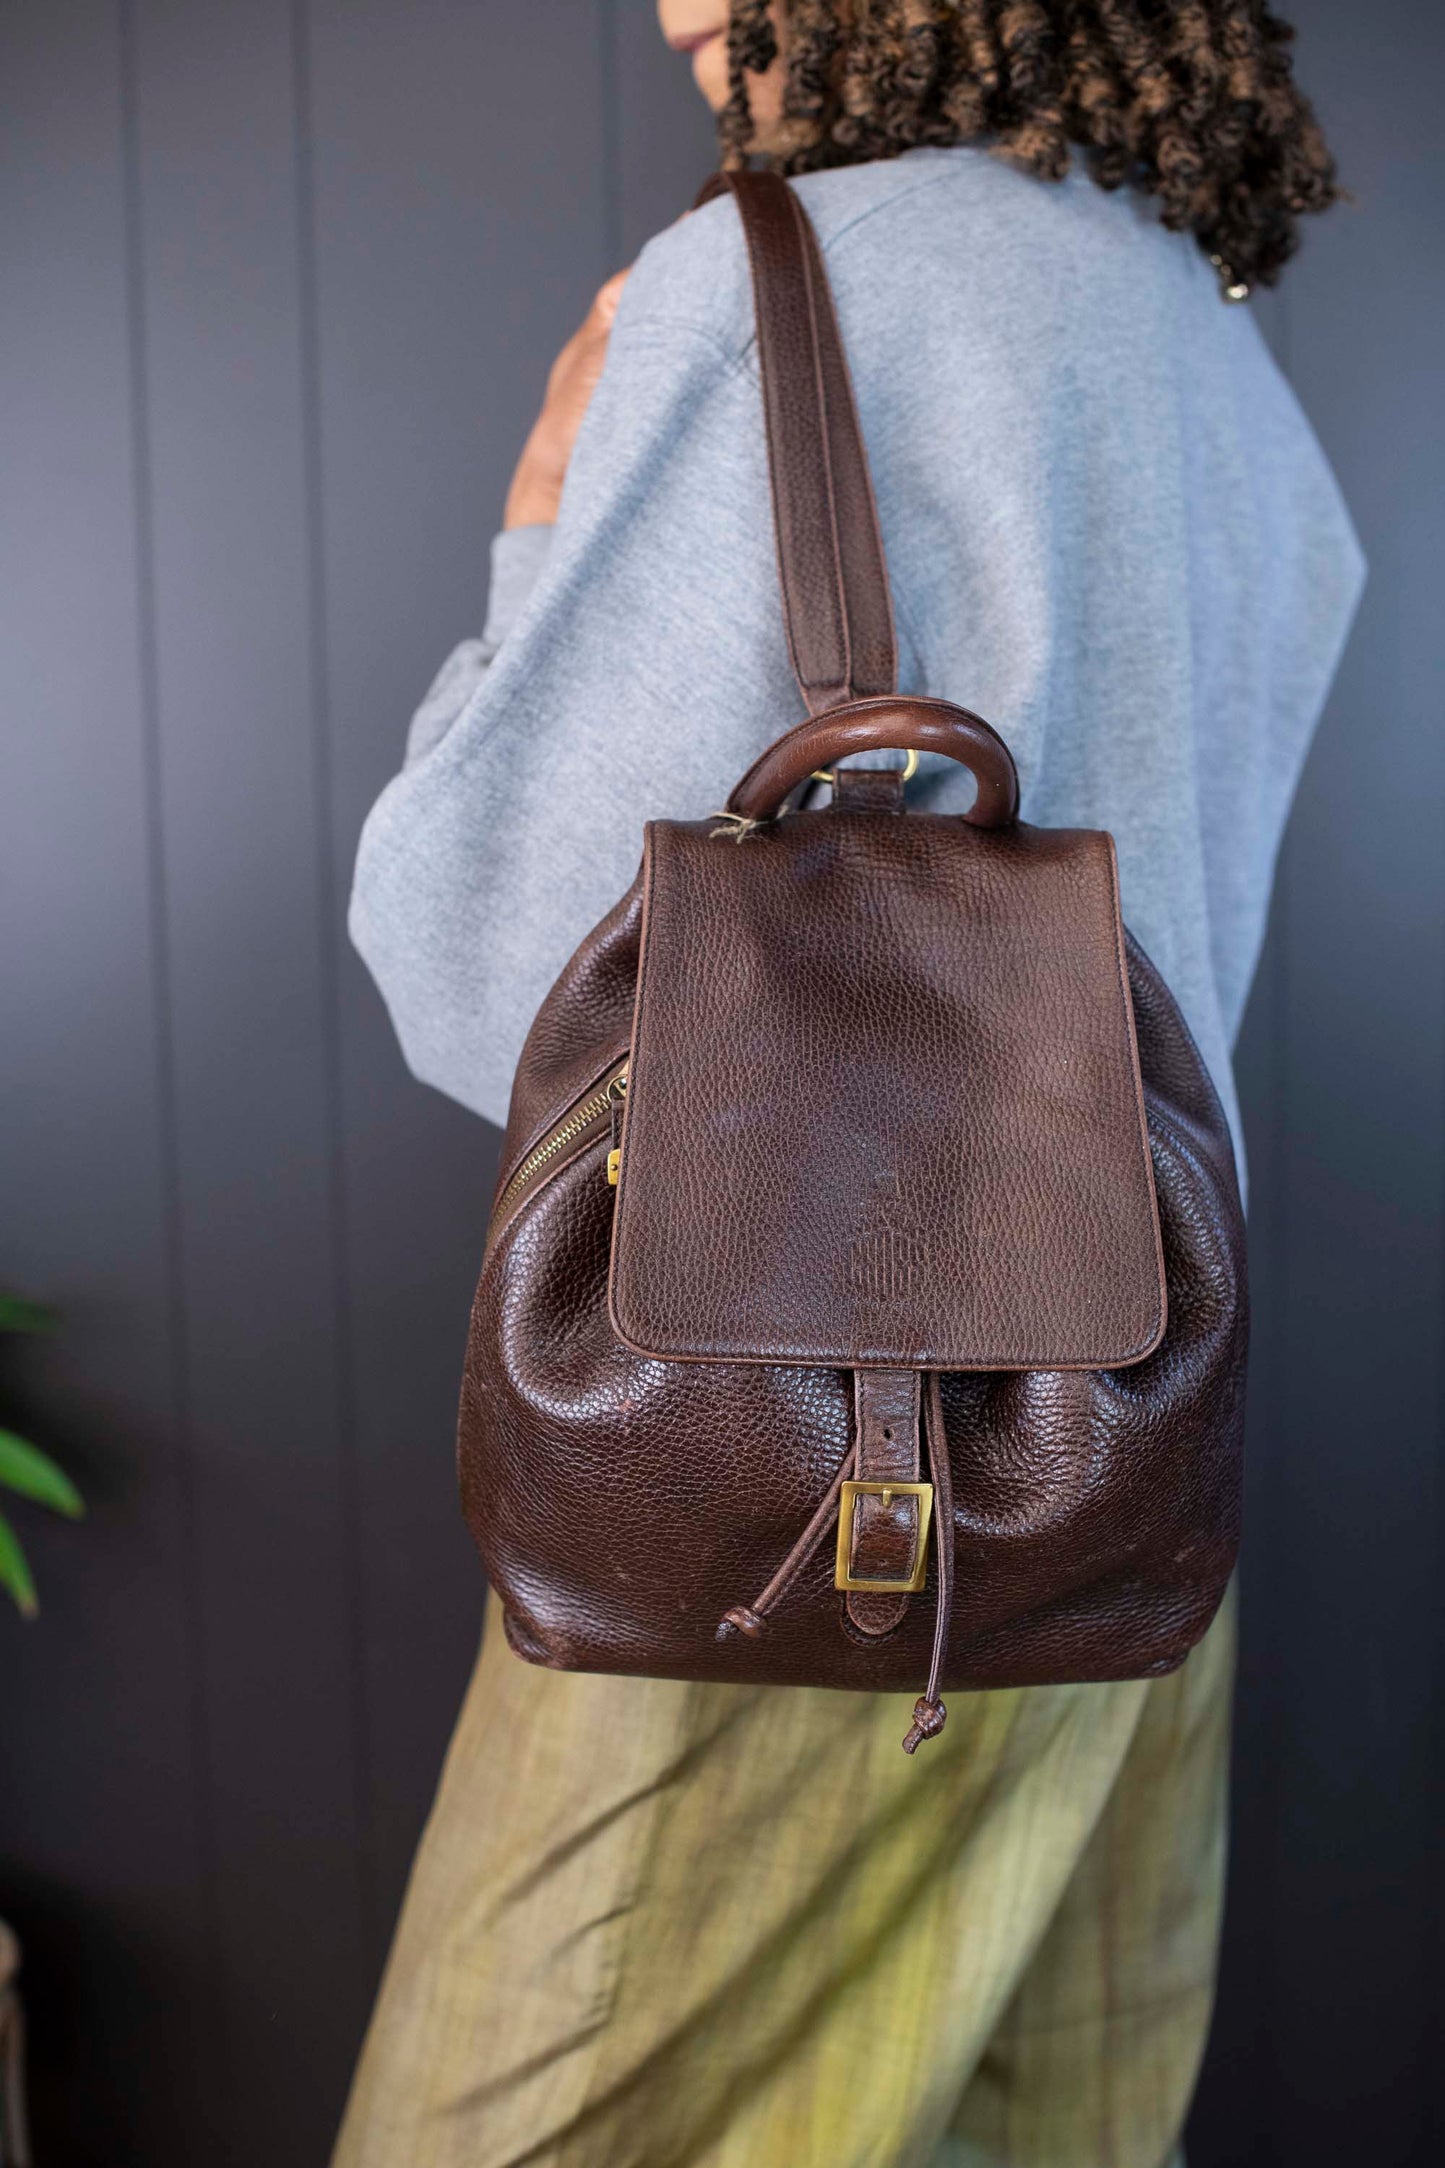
x: 923, y: 1492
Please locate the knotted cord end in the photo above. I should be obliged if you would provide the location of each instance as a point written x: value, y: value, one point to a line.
x: 736, y: 826
x: 741, y: 1619
x: 929, y: 1718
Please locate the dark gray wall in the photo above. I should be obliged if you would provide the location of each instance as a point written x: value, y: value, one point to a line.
x: 280, y: 283
x: 1329, y: 2040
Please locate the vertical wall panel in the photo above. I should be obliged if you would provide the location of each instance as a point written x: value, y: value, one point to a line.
x: 1360, y: 1427
x: 104, y: 1851
x: 665, y: 141
x: 246, y: 939
x: 458, y: 202
x: 1331, y: 1990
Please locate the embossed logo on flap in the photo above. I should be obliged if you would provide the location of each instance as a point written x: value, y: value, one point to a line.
x: 887, y: 1264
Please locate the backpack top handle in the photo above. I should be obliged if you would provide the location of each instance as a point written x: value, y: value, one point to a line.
x: 871, y: 726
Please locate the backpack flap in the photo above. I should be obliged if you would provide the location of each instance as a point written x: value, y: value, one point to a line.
x: 883, y: 1104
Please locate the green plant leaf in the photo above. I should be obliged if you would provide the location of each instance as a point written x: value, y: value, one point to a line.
x: 18, y: 1315
x: 32, y: 1474
x: 15, y: 1573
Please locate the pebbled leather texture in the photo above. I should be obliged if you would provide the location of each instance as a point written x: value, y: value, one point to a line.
x: 626, y: 1501
x: 884, y: 1103
x: 622, y: 1504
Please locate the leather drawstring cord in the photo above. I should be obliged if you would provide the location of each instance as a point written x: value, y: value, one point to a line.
x: 929, y: 1713
x: 748, y: 1618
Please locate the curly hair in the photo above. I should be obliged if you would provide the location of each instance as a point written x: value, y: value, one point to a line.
x: 1192, y: 101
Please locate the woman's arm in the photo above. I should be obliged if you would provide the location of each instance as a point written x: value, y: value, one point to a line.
x: 518, y: 556
x: 520, y: 550
x: 536, y: 491
x: 641, y: 673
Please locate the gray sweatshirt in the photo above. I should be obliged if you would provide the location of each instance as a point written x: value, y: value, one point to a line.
x: 1109, y: 528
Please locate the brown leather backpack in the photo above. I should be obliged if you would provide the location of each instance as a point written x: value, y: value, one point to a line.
x: 853, y: 1140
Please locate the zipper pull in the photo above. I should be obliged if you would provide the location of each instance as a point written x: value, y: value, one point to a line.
x: 616, y: 1096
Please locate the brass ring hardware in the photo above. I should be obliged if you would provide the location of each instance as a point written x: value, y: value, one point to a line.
x: 910, y: 769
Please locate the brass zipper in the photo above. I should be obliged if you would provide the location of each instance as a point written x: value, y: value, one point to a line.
x: 599, y: 1105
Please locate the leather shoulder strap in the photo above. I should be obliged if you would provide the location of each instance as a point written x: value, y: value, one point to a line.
x: 836, y: 603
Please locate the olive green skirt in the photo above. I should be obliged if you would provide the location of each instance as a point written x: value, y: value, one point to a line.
x: 655, y: 1925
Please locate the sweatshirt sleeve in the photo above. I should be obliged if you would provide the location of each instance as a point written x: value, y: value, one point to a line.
x: 518, y: 555
x: 642, y: 669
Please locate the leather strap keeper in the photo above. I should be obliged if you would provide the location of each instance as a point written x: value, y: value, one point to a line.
x: 884, y: 1535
